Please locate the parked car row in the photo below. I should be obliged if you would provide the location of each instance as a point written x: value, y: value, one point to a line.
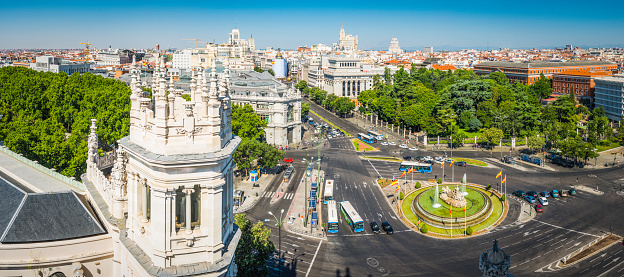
x: 541, y: 198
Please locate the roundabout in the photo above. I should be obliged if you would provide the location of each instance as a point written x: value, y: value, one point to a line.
x: 474, y: 207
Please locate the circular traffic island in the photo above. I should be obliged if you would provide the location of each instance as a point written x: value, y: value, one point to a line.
x: 446, y: 216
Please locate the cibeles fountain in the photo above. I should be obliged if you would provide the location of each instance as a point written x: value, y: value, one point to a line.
x: 462, y: 205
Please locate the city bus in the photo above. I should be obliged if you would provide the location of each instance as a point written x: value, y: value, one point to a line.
x: 366, y: 138
x: 376, y: 135
x: 420, y: 167
x: 328, y: 191
x: 332, y: 217
x: 352, y: 217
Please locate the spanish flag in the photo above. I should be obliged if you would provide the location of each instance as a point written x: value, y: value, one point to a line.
x: 410, y: 170
x: 499, y: 174
x: 451, y: 212
x: 452, y: 162
x: 403, y: 174
x: 398, y: 188
x: 504, y: 179
x: 394, y: 182
x: 442, y: 165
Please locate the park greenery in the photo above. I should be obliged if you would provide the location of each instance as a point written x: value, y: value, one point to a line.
x: 458, y: 103
x: 254, y: 247
x: 46, y: 116
x: 253, y: 150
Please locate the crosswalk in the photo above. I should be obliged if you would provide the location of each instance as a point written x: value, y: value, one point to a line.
x: 271, y: 194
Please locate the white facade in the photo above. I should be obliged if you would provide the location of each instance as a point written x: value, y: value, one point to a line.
x: 345, y: 77
x: 56, y: 65
x: 346, y: 42
x: 428, y: 50
x: 274, y: 102
x: 609, y: 94
x: 173, y: 178
x: 394, y: 47
x: 182, y: 59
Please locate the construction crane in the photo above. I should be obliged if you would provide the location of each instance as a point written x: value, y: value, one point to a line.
x: 195, y: 39
x: 87, y: 52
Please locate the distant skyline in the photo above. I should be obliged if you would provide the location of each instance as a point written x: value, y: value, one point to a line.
x: 287, y: 25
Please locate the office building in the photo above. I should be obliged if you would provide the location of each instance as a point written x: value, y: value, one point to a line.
x: 609, y: 94
x: 56, y: 65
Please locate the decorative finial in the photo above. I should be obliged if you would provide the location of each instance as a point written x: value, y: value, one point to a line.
x: 495, y: 248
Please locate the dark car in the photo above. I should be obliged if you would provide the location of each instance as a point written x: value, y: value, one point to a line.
x: 532, y: 193
x: 572, y: 192
x: 429, y: 162
x: 462, y: 164
x: 538, y: 208
x: 544, y: 194
x: 374, y: 227
x: 407, y: 158
x: 518, y: 193
x: 386, y: 227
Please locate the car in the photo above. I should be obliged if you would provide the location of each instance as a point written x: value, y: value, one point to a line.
x: 518, y: 193
x: 403, y: 146
x: 384, y: 143
x: 554, y: 193
x: 448, y: 161
x: 572, y: 192
x: 374, y: 227
x: 529, y: 199
x: 386, y: 227
x: 407, y: 158
x: 392, y: 143
x: 329, y: 137
x: 288, y: 160
x: 544, y: 194
x: 438, y: 161
x: 538, y: 208
x: 429, y: 161
x: 532, y: 193
x: 543, y: 201
x: 563, y: 193
x: 413, y: 149
x: 462, y: 164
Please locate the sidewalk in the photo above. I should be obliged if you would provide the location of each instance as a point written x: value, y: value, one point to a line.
x: 252, y: 194
x: 296, y: 212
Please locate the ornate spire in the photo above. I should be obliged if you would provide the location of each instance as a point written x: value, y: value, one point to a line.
x: 92, y: 142
x: 213, y: 80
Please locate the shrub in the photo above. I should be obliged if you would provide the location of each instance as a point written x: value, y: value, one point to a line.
x: 488, y: 187
x: 469, y: 230
x: 503, y: 198
x: 424, y: 229
x: 401, y: 196
x: 418, y: 185
x: 439, y: 180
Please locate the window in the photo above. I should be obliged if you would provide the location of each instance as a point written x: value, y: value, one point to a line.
x: 180, y: 200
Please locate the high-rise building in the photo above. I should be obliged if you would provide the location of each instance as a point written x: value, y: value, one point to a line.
x: 394, y: 47
x: 609, y: 94
x: 428, y: 50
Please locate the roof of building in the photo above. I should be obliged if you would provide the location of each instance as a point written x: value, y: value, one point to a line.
x: 586, y: 73
x: 617, y: 79
x: 536, y: 64
x: 37, y: 217
x: 444, y: 67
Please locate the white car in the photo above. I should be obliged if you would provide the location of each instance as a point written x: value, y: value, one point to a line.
x: 329, y: 137
x: 543, y: 201
x: 413, y: 148
x: 438, y: 161
x: 384, y: 143
x: 392, y: 143
x: 403, y: 146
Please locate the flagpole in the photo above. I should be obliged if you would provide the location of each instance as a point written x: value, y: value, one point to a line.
x: 465, y: 224
x: 451, y: 221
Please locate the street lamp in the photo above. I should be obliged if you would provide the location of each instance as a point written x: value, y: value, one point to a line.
x: 279, y: 235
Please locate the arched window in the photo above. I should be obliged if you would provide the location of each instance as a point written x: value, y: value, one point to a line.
x: 57, y: 274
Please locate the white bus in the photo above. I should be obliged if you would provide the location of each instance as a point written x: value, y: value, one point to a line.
x: 328, y: 191
x: 376, y: 135
x: 352, y: 217
x: 332, y: 217
x: 418, y: 167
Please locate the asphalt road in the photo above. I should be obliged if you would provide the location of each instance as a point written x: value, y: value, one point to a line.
x: 535, y: 246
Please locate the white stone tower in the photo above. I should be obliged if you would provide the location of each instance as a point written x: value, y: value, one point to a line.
x: 179, y: 179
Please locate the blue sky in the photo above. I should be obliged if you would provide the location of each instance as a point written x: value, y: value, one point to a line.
x: 447, y: 24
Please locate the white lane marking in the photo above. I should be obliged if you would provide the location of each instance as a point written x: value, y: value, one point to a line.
x: 604, y: 254
x: 374, y: 168
x: 588, y: 234
x: 614, y: 260
x: 610, y: 269
x: 311, y: 263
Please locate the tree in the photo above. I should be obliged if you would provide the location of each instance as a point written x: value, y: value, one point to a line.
x: 366, y: 96
x: 424, y: 229
x: 269, y: 156
x: 258, y: 69
x: 271, y: 71
x: 499, y: 77
x: 458, y: 138
x: 246, y: 153
x: 535, y: 142
x: 253, y: 249
x: 542, y: 88
x: 344, y: 105
x: 469, y: 230
x: 329, y: 101
x: 474, y: 125
x: 305, y: 109
x: 387, y: 76
x: 246, y: 123
x: 492, y: 135
x: 301, y: 85
x: 386, y: 108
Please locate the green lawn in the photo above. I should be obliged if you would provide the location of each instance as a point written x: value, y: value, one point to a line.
x: 470, y: 161
x: 474, y: 203
x: 332, y: 124
x: 497, y: 206
x: 605, y: 148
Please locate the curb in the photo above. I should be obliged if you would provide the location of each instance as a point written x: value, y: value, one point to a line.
x: 561, y: 265
x: 255, y: 201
